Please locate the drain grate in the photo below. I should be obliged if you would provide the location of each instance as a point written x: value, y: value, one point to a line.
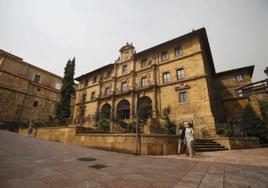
x: 86, y: 159
x: 98, y: 166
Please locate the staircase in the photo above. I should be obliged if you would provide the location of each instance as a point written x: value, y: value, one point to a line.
x: 205, y: 145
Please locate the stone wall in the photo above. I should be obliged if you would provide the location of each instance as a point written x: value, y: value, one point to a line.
x: 154, y: 144
x: 238, y: 143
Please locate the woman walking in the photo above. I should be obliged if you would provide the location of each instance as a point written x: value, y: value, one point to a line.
x: 181, y: 147
x: 189, y: 135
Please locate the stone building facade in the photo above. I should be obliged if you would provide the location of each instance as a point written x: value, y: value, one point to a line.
x: 178, y: 74
x: 27, y: 92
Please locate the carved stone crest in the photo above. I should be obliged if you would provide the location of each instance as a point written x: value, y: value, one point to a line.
x: 182, y: 86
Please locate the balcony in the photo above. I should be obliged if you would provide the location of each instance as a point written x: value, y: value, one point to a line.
x: 108, y: 94
x: 256, y: 87
x: 123, y: 90
x: 145, y: 85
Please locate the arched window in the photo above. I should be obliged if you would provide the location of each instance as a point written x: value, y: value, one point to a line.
x: 106, y: 110
x: 145, y: 107
x: 123, y: 110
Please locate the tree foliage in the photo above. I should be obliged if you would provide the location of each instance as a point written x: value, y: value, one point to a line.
x: 168, y: 124
x: 266, y: 71
x: 249, y: 120
x: 67, y: 90
x: 101, y: 122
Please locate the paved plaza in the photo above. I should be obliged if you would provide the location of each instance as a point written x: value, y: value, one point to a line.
x: 30, y: 162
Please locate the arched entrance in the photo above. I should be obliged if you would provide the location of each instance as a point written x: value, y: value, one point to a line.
x: 145, y: 107
x: 106, y: 110
x: 123, y: 110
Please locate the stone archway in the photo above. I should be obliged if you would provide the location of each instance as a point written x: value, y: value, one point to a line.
x: 145, y: 106
x: 106, y: 110
x: 123, y: 110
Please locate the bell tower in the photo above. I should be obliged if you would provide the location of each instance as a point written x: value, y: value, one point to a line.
x: 126, y: 52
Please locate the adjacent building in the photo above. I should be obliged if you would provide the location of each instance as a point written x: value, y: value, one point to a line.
x: 27, y: 92
x: 178, y: 74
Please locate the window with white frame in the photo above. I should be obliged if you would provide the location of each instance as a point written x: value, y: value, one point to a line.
x: 124, y: 86
x: 164, y: 56
x: 107, y: 91
x: 124, y: 69
x: 178, y: 51
x: 239, y: 77
x: 183, y: 97
x: 109, y: 73
x: 37, y: 78
x: 86, y: 82
x: 166, y: 77
x: 143, y: 63
x: 180, y: 74
x: 143, y: 81
x: 240, y: 93
x: 94, y: 79
x: 92, y: 97
x: 57, y: 85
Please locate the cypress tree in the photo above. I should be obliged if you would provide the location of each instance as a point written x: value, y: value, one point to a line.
x: 249, y: 119
x: 67, y: 90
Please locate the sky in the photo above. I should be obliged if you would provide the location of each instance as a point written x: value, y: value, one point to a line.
x: 49, y: 32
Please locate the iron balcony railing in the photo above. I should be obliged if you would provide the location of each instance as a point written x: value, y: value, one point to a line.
x: 144, y: 85
x: 260, y: 86
x: 124, y: 90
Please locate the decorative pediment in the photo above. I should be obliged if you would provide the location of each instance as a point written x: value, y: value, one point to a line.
x: 182, y: 86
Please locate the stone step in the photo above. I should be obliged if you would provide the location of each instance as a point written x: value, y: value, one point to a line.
x: 209, y: 149
x: 210, y: 146
x: 205, y: 143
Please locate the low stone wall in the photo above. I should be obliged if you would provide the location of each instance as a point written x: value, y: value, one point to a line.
x: 153, y: 144
x: 238, y: 143
x: 147, y: 144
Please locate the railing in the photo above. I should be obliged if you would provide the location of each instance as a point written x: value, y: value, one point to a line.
x: 261, y: 86
x: 125, y: 90
x: 144, y: 85
x: 111, y: 93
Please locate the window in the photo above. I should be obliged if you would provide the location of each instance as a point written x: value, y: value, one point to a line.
x: 164, y: 56
x: 37, y: 78
x: 124, y: 69
x: 86, y: 82
x: 166, y: 77
x: 180, y: 74
x: 84, y: 98
x: 35, y: 104
x: 107, y: 91
x: 92, y: 97
x: 109, y: 73
x: 58, y: 86
x: 240, y: 93
x: 183, y: 97
x: 124, y: 86
x: 143, y: 82
x: 239, y: 78
x: 178, y: 51
x: 95, y: 79
x: 143, y: 63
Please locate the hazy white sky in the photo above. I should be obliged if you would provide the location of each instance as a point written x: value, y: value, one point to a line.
x: 47, y: 33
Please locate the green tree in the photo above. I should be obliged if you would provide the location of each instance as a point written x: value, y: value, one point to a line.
x: 67, y: 90
x: 266, y: 71
x: 169, y: 125
x: 249, y: 120
x: 101, y: 122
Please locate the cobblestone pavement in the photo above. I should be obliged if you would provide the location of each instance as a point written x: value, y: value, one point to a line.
x: 30, y: 162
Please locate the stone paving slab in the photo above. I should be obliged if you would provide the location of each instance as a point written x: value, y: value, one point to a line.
x: 30, y: 162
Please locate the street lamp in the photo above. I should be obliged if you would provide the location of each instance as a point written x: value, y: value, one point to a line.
x: 137, y: 123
